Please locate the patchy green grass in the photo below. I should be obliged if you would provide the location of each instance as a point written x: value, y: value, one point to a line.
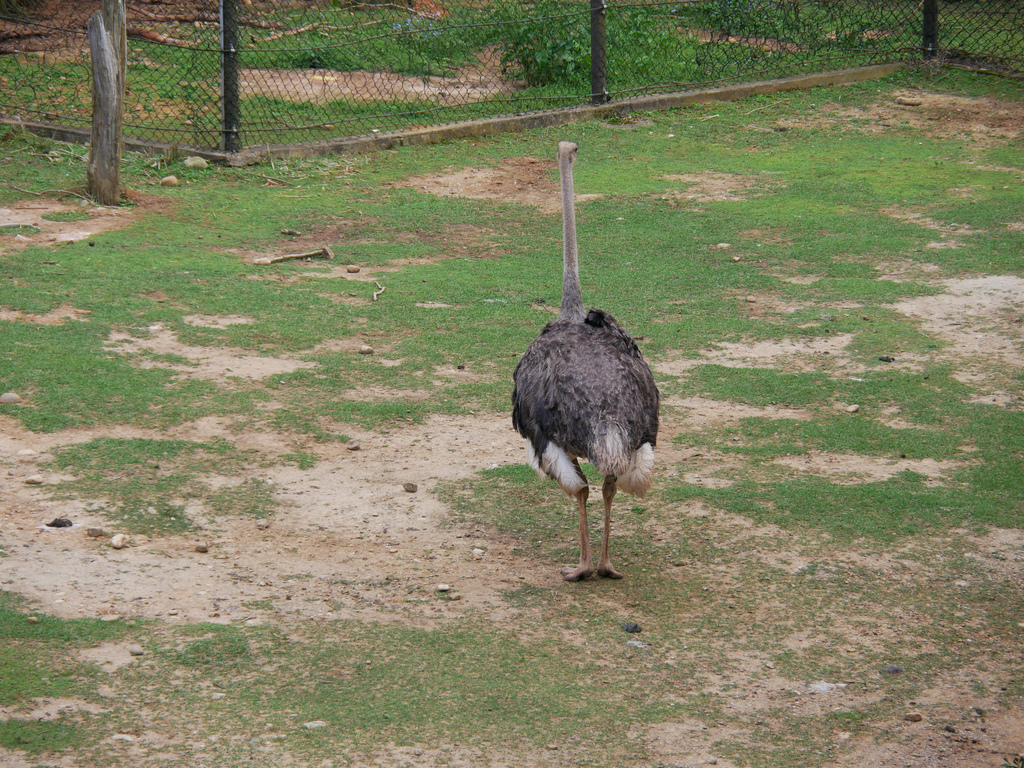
x: 789, y: 541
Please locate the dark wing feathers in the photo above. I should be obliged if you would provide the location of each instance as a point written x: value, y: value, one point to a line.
x: 575, y: 376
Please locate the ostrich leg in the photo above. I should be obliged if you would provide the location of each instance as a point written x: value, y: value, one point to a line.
x: 604, y: 565
x: 585, y: 568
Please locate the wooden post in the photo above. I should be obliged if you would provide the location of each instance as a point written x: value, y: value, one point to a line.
x: 108, y: 46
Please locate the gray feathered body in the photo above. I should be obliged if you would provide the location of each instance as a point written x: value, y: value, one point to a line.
x: 584, y: 388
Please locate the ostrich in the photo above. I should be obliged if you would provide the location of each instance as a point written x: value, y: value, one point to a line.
x: 583, y: 391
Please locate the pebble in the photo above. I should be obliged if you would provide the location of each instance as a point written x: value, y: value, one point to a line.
x: 751, y: 299
x: 10, y: 398
x: 909, y: 101
x: 353, y: 445
x: 478, y: 554
x: 366, y: 350
x: 169, y: 181
x: 410, y: 487
x: 314, y: 724
x: 262, y: 525
x: 196, y: 163
x: 95, y: 533
x: 853, y: 409
x: 352, y: 269
x: 26, y: 454
x: 914, y: 717
x: 32, y: 619
x: 202, y: 546
x: 444, y: 587
x: 887, y: 358
x: 119, y: 541
x: 34, y: 480
x: 892, y: 669
x: 630, y: 626
x: 136, y: 650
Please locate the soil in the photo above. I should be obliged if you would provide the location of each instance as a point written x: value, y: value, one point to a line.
x: 351, y: 542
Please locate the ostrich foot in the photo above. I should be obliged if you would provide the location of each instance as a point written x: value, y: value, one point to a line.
x: 606, y: 571
x: 577, y: 574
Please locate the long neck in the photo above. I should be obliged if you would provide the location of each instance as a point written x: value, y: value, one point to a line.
x: 572, y: 294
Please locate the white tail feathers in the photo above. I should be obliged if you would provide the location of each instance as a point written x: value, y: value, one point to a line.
x: 638, y: 478
x: 556, y: 464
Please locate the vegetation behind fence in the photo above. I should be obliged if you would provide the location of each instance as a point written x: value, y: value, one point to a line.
x: 228, y: 74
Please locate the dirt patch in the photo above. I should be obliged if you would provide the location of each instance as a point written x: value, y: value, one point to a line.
x: 523, y: 180
x: 57, y: 316
x: 25, y: 224
x: 712, y: 187
x: 987, y: 121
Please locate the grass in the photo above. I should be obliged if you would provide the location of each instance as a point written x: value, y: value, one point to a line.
x: 751, y: 584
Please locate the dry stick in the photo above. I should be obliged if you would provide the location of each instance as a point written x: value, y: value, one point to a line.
x: 319, y: 253
x: 765, y: 106
x: 48, y: 191
x: 378, y: 293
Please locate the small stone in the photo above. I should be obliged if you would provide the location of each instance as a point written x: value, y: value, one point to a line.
x: 478, y: 554
x: 34, y: 480
x: 410, y: 487
x: 32, y: 619
x: 136, y: 650
x: 196, y: 163
x: 630, y: 626
x: 853, y: 409
x: 444, y: 587
x: 172, y: 612
x: 292, y: 232
x: 109, y: 617
x: 887, y: 358
x: 712, y: 761
x: 95, y: 533
x: 10, y: 398
x: 892, y: 669
x: 202, y: 547
x: 313, y: 724
x: 909, y: 101
x: 169, y: 181
x: 751, y: 299
x: 353, y: 445
x: 119, y: 541
x: 352, y: 269
x: 913, y: 717
x: 26, y: 454
x: 366, y: 349
x: 262, y: 525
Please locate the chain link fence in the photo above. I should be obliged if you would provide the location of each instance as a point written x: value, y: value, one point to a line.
x: 228, y: 74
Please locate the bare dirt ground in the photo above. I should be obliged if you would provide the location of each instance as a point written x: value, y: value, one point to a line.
x: 351, y: 542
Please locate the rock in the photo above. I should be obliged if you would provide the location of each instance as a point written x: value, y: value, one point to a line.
x: 10, y: 398
x: 312, y: 724
x: 366, y: 349
x: 34, y: 480
x: 119, y: 541
x: 478, y: 554
x: 444, y: 587
x: 913, y: 717
x: 353, y: 445
x: 352, y: 269
x: 853, y: 409
x: 109, y: 617
x: 26, y: 454
x: 292, y: 232
x: 630, y: 626
x: 202, y: 546
x: 196, y: 163
x: 95, y: 533
x: 410, y: 487
x: 887, y: 358
x: 262, y: 525
x: 136, y: 650
x: 32, y: 619
x: 751, y: 299
x: 892, y: 669
x: 169, y: 181
x: 909, y: 101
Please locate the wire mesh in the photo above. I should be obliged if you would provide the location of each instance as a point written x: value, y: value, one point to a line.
x: 308, y: 70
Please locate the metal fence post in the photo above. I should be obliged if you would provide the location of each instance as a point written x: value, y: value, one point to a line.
x: 229, y: 75
x: 598, y: 54
x: 930, y: 35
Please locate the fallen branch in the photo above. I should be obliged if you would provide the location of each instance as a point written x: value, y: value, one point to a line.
x: 378, y: 293
x: 319, y: 253
x: 49, y: 191
x: 156, y: 37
